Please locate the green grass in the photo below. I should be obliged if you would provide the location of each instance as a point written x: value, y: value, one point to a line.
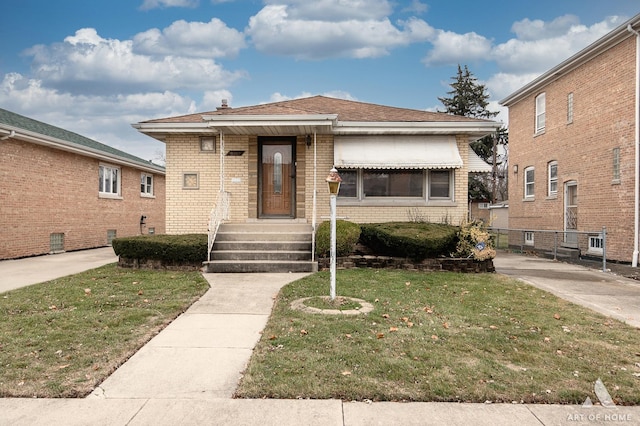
x: 64, y: 337
x: 441, y: 337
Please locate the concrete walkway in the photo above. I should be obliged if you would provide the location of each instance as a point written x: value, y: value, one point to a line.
x: 187, y: 374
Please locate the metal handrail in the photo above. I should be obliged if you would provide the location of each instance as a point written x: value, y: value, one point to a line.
x: 219, y: 213
x: 602, y: 232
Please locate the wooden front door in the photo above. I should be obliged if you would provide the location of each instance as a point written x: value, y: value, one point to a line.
x: 277, y: 178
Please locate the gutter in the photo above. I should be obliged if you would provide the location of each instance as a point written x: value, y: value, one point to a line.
x: 634, y: 261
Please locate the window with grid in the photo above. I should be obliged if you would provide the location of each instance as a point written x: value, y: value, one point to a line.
x: 541, y: 110
x: 528, y: 238
x: 146, y: 184
x: 596, y: 244
x: 109, y: 180
x: 529, y: 176
x: 553, y: 179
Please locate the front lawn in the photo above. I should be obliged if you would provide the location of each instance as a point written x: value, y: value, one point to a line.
x: 441, y: 337
x: 62, y: 338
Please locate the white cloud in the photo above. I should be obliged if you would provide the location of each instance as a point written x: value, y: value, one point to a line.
x: 211, y: 39
x: 452, y: 48
x: 106, y: 119
x: 335, y: 10
x: 540, y: 45
x: 155, y: 4
x: 338, y: 94
x: 88, y: 63
x: 537, y: 29
x: 273, y: 30
x: 417, y: 7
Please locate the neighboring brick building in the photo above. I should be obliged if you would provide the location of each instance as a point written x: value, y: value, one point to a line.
x: 396, y: 163
x: 60, y: 191
x: 573, y: 149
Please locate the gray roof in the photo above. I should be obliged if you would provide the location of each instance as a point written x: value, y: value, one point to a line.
x: 11, y: 121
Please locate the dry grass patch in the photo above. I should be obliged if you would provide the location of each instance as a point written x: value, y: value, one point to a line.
x: 442, y: 337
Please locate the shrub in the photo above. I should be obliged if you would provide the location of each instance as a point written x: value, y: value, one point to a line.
x: 171, y: 249
x: 347, y: 236
x: 413, y: 240
x: 474, y: 241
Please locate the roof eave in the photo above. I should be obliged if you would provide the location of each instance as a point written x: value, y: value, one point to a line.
x: 474, y: 130
x: 39, y: 139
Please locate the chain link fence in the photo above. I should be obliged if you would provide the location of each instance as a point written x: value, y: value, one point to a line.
x: 554, y: 243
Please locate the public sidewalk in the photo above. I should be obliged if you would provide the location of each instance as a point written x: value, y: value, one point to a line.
x: 187, y: 374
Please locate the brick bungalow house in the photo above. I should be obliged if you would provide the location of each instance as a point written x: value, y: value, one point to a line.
x: 573, y: 150
x: 60, y: 191
x: 271, y: 160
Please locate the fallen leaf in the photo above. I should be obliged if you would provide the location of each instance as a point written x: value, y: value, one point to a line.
x: 409, y: 324
x: 87, y: 291
x: 380, y: 335
x: 559, y: 352
x: 346, y: 373
x: 393, y: 329
x: 445, y: 324
x: 556, y: 316
x: 405, y: 319
x: 53, y: 307
x: 547, y: 339
x: 140, y: 292
x: 408, y: 283
x: 62, y: 367
x: 385, y: 315
x: 428, y: 310
x: 272, y: 337
x: 348, y: 336
x: 434, y: 337
x: 304, y: 332
x: 493, y: 327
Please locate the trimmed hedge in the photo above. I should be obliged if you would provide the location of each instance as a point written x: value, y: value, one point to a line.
x: 412, y: 240
x: 173, y: 249
x: 347, y: 236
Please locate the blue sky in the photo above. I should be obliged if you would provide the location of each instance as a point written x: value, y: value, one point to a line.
x: 95, y: 67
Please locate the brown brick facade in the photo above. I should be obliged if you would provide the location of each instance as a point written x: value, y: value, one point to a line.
x: 603, y: 90
x: 45, y: 190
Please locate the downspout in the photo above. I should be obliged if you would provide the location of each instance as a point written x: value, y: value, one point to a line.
x: 315, y: 192
x: 634, y: 261
x: 10, y: 135
x: 221, y: 161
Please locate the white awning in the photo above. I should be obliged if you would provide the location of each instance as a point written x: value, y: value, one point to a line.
x: 396, y: 152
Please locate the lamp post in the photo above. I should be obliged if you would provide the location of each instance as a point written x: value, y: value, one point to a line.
x: 333, y: 181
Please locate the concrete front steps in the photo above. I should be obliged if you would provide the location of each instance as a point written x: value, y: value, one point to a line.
x: 263, y: 246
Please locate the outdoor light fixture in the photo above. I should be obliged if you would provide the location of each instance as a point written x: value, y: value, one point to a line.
x: 333, y: 181
x: 308, y: 141
x: 515, y: 169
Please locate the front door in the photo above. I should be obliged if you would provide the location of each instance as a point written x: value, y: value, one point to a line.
x: 277, y: 177
x: 571, y: 214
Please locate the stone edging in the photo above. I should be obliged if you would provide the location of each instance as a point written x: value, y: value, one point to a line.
x: 387, y: 262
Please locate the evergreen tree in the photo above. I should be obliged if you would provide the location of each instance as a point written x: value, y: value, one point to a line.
x: 470, y: 99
